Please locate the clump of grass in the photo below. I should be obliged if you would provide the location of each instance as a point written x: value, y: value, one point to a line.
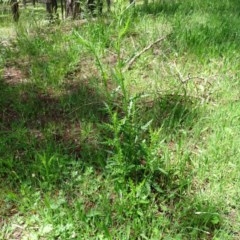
x: 49, y: 59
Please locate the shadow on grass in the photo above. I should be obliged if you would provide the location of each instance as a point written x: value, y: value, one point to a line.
x: 46, y: 137
x: 36, y: 125
x: 195, y: 218
x: 173, y: 112
x: 70, y: 121
x: 165, y: 7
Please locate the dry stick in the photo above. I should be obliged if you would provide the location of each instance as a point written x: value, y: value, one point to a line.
x: 183, y: 81
x: 195, y: 77
x: 132, y: 60
x: 179, y: 74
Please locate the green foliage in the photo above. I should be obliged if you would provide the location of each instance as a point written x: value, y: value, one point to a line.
x: 90, y: 150
x: 214, y: 25
x: 134, y: 148
x: 50, y: 58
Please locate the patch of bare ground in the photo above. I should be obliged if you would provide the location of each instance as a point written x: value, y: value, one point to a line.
x: 17, y: 233
x: 83, y: 72
x: 7, y: 117
x: 233, y: 217
x: 110, y: 59
x: 61, y: 110
x: 13, y: 76
x: 9, y: 211
x: 7, y: 34
x: 17, y: 229
x: 89, y: 68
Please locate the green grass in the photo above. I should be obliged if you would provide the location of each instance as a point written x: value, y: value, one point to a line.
x: 90, y: 150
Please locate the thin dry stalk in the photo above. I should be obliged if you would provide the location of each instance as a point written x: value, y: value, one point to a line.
x: 133, y: 59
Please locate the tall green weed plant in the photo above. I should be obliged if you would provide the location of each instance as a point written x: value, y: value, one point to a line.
x: 132, y: 146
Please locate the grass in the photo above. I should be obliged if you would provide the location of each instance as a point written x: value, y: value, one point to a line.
x: 90, y: 150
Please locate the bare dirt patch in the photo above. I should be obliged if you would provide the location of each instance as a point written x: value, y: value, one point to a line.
x: 14, y: 76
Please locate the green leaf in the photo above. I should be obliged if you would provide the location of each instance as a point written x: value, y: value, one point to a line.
x: 215, y: 220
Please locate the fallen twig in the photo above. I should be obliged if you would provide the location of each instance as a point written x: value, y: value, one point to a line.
x: 133, y: 59
x: 194, y: 77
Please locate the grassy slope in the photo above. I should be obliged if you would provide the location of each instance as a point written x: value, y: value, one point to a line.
x: 59, y: 177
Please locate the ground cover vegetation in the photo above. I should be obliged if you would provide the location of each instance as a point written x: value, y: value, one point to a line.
x: 123, y: 126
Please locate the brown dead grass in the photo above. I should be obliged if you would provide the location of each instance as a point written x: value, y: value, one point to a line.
x: 13, y: 76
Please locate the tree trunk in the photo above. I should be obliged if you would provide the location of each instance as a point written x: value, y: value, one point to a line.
x: 51, y: 7
x: 73, y: 8
x: 15, y: 9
